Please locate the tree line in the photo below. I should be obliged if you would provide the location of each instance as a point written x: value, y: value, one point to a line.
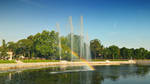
x: 98, y: 51
x: 45, y: 45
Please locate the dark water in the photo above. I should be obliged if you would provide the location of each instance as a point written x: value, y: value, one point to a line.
x: 124, y: 74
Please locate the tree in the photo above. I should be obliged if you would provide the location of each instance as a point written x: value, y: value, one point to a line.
x: 46, y: 44
x: 115, y: 52
x: 140, y: 53
x: 107, y: 53
x: 11, y: 46
x: 148, y: 55
x: 96, y: 48
x: 4, y: 50
x: 65, y: 48
x: 124, y: 53
x: 143, y: 53
x: 24, y: 47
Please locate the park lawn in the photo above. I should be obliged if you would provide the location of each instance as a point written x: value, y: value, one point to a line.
x: 119, y: 60
x: 36, y: 61
x: 7, y: 61
x: 110, y: 59
x: 98, y: 59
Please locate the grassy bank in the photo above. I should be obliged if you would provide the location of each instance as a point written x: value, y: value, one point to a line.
x: 35, y: 61
x: 98, y: 59
x: 39, y: 60
x: 7, y: 61
x: 110, y: 59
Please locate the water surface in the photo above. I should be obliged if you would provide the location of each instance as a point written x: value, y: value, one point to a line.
x: 124, y: 74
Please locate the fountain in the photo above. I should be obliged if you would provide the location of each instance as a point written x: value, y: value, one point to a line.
x: 79, y: 46
x: 84, y: 51
x: 84, y: 45
x: 59, y: 40
x: 81, y: 39
x: 88, y: 51
x: 72, y: 36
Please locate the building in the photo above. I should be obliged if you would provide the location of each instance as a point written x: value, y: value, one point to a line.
x: 10, y: 54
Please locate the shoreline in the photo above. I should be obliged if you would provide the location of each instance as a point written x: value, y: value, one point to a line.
x: 15, y: 66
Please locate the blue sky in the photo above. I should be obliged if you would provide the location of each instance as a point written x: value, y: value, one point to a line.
x: 114, y: 22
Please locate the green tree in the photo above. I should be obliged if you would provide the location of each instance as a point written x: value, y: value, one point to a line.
x: 96, y: 48
x: 148, y: 55
x: 24, y: 47
x: 46, y: 44
x: 115, y: 51
x: 140, y: 53
x: 3, y: 50
x: 107, y: 53
x: 124, y: 53
x: 65, y: 49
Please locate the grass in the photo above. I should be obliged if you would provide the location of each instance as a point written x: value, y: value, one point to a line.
x: 39, y: 60
x: 7, y: 61
x: 98, y: 59
x: 119, y: 59
x: 35, y: 61
x: 110, y: 59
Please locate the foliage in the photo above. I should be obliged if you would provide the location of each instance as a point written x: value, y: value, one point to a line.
x: 45, y: 45
x: 3, y: 53
x: 114, y: 52
x: 96, y: 48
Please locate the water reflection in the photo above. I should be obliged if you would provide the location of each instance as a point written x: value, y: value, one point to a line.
x: 101, y: 75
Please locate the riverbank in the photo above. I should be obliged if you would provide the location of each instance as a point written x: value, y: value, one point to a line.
x: 21, y: 65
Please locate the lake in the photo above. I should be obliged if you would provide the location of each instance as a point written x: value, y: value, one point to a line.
x: 123, y: 74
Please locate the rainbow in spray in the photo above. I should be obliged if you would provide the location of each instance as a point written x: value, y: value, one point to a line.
x: 83, y: 60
